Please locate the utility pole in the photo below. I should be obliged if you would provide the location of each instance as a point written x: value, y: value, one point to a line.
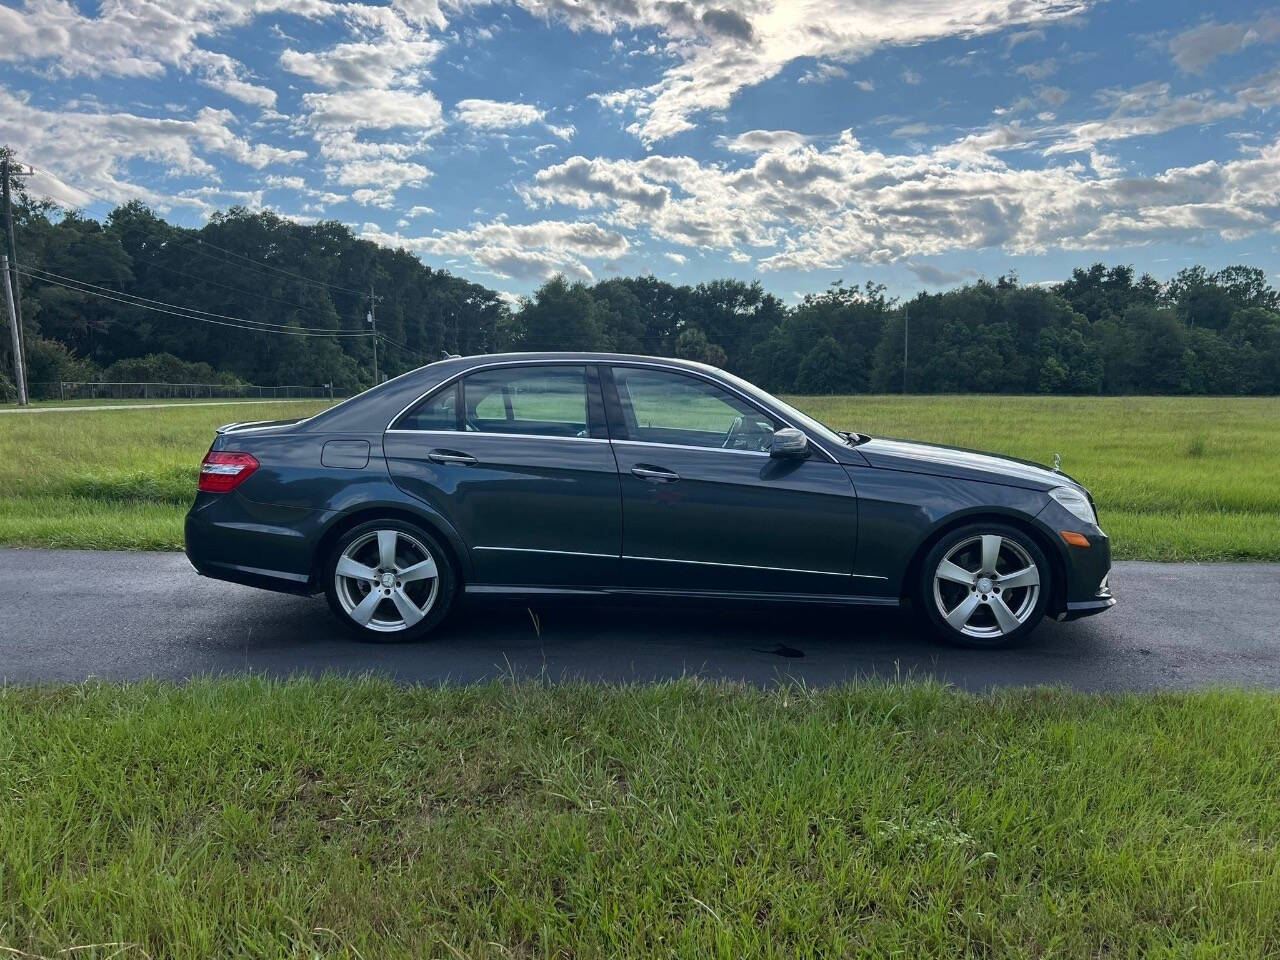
x: 20, y: 376
x: 373, y: 322
x: 906, y: 332
x: 7, y: 174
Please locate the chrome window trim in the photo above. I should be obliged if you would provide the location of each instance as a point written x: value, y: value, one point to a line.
x: 485, y: 433
x: 563, y: 553
x: 690, y: 446
x: 657, y: 365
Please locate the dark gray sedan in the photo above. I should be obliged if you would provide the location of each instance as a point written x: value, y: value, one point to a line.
x: 574, y: 474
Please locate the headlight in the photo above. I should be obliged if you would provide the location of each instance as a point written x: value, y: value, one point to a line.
x: 1075, y: 501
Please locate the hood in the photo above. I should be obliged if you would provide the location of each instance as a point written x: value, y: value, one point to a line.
x: 960, y: 463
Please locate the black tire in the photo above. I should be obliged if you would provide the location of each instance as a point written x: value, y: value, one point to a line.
x: 432, y: 597
x: 987, y: 626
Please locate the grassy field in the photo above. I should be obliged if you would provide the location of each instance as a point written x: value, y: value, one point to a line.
x: 1175, y: 478
x: 111, y: 478
x: 359, y: 819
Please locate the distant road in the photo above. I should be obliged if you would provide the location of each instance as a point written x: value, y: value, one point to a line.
x: 153, y: 406
x: 69, y: 615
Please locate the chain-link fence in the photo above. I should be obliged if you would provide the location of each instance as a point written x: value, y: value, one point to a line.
x: 109, y: 390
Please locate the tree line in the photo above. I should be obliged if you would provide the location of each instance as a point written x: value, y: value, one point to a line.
x: 271, y: 301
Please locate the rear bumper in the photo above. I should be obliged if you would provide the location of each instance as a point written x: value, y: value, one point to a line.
x: 224, y: 530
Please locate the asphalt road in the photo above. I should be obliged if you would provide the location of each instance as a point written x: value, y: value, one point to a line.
x: 70, y: 615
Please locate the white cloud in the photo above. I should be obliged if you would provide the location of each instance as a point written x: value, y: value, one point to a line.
x: 387, y: 174
x: 801, y: 207
x: 823, y: 73
x: 718, y: 56
x: 757, y: 141
x: 1040, y: 70
x: 1145, y: 110
x: 353, y: 110
x: 94, y: 149
x: 1195, y: 49
x: 912, y: 130
x: 501, y: 115
x: 141, y: 38
x: 1023, y: 36
x: 531, y: 251
x: 677, y: 258
x: 374, y: 64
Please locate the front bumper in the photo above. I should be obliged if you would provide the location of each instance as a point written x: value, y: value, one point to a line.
x: 1088, y: 587
x: 1100, y: 602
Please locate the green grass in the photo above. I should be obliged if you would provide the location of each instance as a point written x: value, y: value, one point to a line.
x: 111, y: 478
x: 360, y: 819
x: 1175, y: 478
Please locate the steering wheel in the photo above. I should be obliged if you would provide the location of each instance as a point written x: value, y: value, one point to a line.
x: 735, y: 429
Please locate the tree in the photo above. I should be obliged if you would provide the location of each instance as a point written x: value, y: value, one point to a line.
x: 824, y: 369
x: 562, y: 316
x: 692, y: 344
x: 261, y: 280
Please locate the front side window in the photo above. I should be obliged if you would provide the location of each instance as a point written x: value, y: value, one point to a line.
x: 545, y: 401
x: 659, y: 406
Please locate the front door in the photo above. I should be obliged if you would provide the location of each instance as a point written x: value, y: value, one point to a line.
x: 704, y: 506
x: 517, y: 457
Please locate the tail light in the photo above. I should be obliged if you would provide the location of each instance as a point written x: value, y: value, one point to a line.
x: 222, y: 472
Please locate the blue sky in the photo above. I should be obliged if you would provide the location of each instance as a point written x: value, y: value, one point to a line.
x: 918, y: 143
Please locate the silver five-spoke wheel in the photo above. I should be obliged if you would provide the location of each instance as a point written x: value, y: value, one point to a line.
x: 986, y: 586
x: 386, y: 580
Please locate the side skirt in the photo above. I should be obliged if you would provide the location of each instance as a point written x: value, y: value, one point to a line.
x: 498, y: 591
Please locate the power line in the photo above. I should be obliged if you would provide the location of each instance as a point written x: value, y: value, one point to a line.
x: 280, y: 270
x: 216, y: 283
x: 162, y: 303
x: 401, y: 346
x: 188, y: 316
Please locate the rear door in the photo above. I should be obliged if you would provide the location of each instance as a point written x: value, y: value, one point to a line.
x: 518, y: 458
x: 705, y: 507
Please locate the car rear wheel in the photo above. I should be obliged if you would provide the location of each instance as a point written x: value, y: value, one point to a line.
x: 389, y: 581
x: 984, y: 585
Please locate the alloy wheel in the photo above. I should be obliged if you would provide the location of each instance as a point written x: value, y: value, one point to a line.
x: 386, y: 580
x: 986, y: 586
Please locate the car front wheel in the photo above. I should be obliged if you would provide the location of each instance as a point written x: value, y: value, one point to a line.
x: 389, y: 581
x: 984, y: 585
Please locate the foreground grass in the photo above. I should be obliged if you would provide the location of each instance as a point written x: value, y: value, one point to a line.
x: 1176, y: 478
x: 355, y: 818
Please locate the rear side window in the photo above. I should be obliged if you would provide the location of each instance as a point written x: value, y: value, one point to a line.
x: 438, y: 412
x: 547, y: 401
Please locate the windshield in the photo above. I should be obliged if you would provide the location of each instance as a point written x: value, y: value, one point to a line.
x: 799, y: 417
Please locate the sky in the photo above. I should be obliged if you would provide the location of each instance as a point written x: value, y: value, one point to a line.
x: 916, y: 143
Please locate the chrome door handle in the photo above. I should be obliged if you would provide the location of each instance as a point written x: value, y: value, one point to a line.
x: 450, y: 456
x: 659, y: 474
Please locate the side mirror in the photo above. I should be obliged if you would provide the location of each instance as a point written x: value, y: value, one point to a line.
x: 789, y: 443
